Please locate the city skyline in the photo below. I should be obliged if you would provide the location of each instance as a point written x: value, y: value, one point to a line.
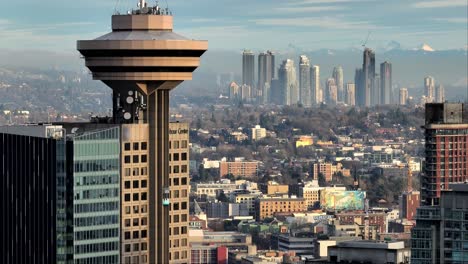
x: 266, y: 157
x: 405, y: 23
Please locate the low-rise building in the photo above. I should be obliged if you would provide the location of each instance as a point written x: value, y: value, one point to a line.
x: 214, y: 189
x: 274, y: 188
x: 303, y: 244
x: 375, y: 219
x: 208, y: 254
x: 269, y: 206
x: 232, y: 240
x: 245, y: 198
x: 369, y: 252
x: 239, y: 168
x: 226, y: 210
x: 304, y: 141
x: 311, y: 193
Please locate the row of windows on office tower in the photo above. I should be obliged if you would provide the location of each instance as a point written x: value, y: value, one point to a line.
x: 135, y: 202
x: 143, y: 146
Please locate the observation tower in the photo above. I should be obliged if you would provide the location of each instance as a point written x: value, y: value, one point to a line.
x: 142, y: 60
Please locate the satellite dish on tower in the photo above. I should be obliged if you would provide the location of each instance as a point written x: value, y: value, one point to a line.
x: 73, y: 131
x: 130, y: 100
x: 127, y: 116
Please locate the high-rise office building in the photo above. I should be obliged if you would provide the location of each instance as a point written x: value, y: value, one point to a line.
x: 446, y: 132
x: 429, y: 88
x: 338, y: 76
x: 179, y: 192
x: 360, y: 88
x: 368, y: 78
x: 97, y: 178
x: 289, y: 87
x: 440, y: 233
x: 33, y: 221
x: 386, y: 83
x: 248, y: 68
x: 141, y: 100
x: 440, y: 94
x: 350, y: 95
x: 331, y: 92
x: 304, y: 81
x: 68, y: 179
x: 266, y: 72
x: 403, y: 96
x: 315, y: 85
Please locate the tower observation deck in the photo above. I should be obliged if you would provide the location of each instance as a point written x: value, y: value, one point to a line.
x: 141, y: 60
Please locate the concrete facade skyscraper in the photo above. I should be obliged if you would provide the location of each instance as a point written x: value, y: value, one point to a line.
x: 376, y: 95
x: 288, y: 85
x: 350, y: 95
x: 429, y: 89
x: 440, y: 93
x: 142, y: 59
x: 338, y: 76
x: 315, y: 85
x: 360, y: 88
x: 266, y: 73
x: 368, y: 77
x: 403, y: 96
x: 248, y: 68
x: 304, y: 81
x: 446, y: 132
x: 386, y: 83
x: 331, y: 92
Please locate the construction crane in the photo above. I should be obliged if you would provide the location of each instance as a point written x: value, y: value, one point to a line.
x: 367, y: 39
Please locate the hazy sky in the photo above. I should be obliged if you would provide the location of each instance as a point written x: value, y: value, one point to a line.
x: 255, y: 24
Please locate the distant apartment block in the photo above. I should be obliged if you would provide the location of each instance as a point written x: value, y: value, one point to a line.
x: 311, y: 194
x: 304, y: 141
x: 239, y: 168
x: 274, y: 188
x: 258, y: 133
x: 269, y: 206
x: 328, y: 170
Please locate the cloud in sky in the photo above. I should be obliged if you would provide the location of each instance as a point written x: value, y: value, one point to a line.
x: 314, y: 24
x: 440, y: 3
x: 308, y: 9
x: 314, y: 2
x: 456, y: 20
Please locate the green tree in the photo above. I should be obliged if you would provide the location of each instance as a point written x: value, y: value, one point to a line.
x: 222, y: 197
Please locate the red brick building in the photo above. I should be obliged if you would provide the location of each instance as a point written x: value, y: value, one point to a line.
x: 238, y: 168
